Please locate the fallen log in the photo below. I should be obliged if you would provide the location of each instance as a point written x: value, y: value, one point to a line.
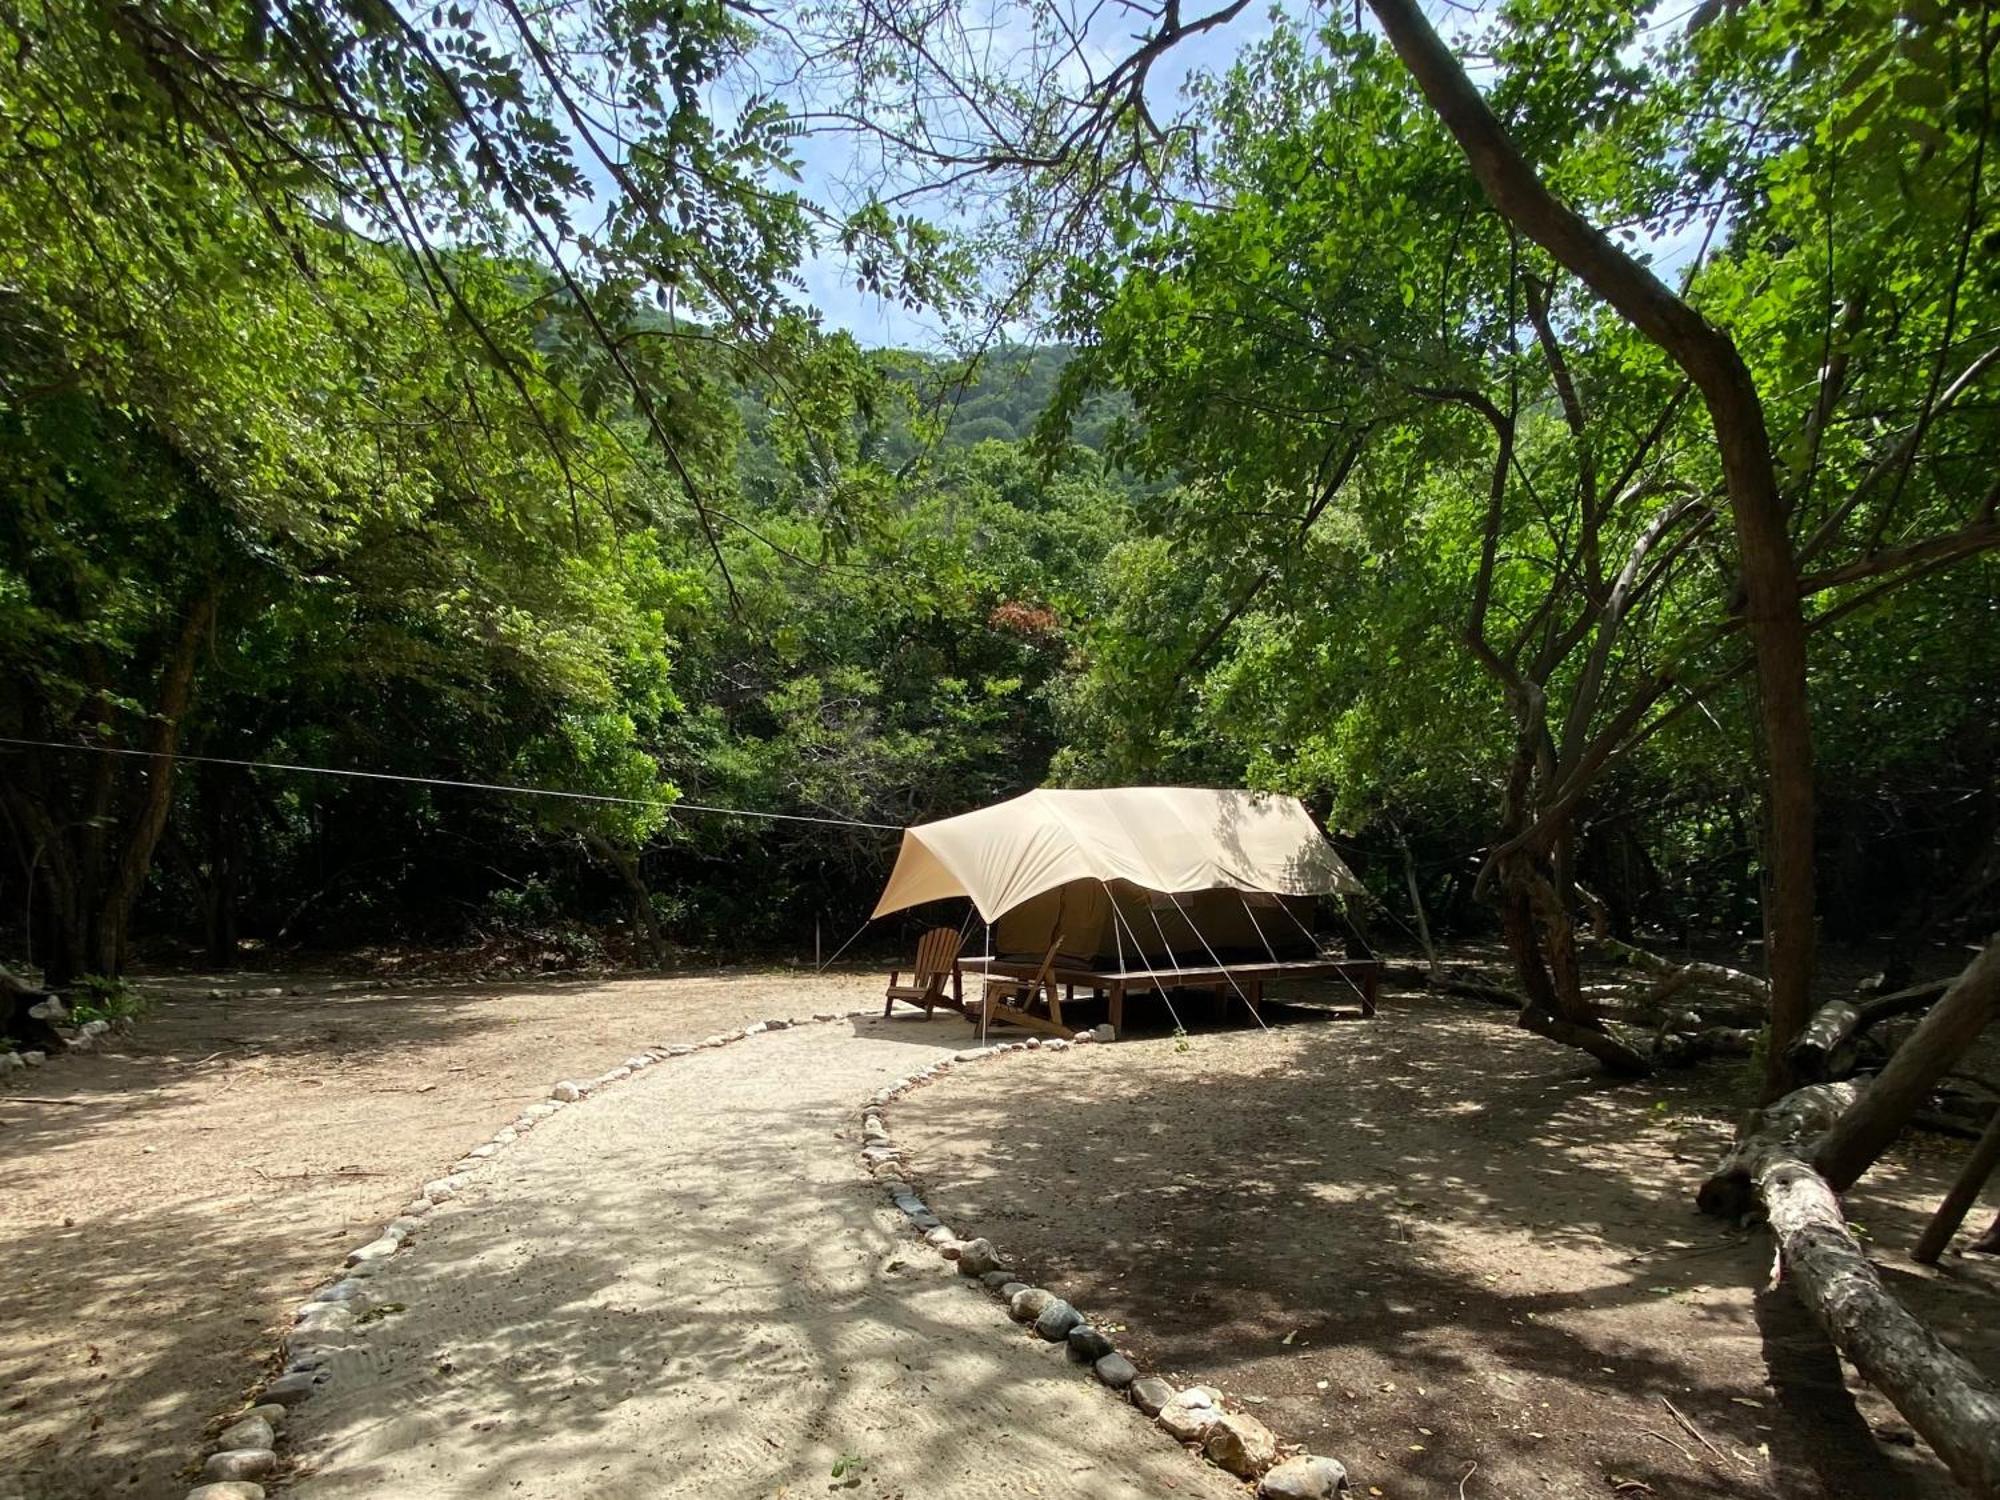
x: 1825, y: 1048
x: 1446, y: 982
x: 1777, y: 1129
x: 1718, y: 976
x: 1955, y: 1407
x: 1613, y: 1053
x: 1944, y: 1398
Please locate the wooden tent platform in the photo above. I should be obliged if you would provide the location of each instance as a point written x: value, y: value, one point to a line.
x: 1247, y: 978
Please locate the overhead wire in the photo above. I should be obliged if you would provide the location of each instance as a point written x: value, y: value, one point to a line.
x: 669, y: 804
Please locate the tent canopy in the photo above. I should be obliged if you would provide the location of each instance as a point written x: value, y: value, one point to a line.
x: 1123, y: 842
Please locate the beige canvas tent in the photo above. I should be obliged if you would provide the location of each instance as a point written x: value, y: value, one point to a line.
x: 1164, y: 870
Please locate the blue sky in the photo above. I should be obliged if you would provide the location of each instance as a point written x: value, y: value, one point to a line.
x: 832, y: 161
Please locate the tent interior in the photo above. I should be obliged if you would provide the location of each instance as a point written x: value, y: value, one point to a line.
x: 1116, y: 924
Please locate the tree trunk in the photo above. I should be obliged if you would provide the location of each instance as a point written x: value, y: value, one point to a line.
x: 1416, y: 901
x: 1864, y: 1132
x: 149, y: 819
x: 1770, y: 584
x: 1542, y: 942
x: 1802, y: 1115
x: 1964, y: 1193
x: 646, y: 921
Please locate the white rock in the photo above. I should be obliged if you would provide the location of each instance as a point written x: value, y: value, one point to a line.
x: 323, y: 1317
x: 228, y: 1489
x: 10, y: 1061
x: 247, y: 1432
x: 1104, y: 1032
x: 1241, y: 1444
x: 34, y: 1059
x: 51, y: 1009
x: 1191, y: 1413
x: 380, y: 1249
x: 240, y: 1463
x: 1304, y: 1478
x: 290, y: 1390
x: 480, y: 1153
x: 566, y: 1092
x: 1056, y: 1044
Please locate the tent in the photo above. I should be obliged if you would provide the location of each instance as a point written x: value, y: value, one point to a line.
x: 1126, y: 872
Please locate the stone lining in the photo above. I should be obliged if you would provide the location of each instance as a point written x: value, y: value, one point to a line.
x: 83, y: 1038
x: 1235, y: 1442
x: 244, y: 1451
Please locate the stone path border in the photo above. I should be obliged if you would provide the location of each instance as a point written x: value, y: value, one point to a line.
x: 1235, y: 1442
x: 244, y: 1448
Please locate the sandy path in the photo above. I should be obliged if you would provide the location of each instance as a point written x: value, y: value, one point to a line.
x: 686, y: 1286
x: 165, y: 1204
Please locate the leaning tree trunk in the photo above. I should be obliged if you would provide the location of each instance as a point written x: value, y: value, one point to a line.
x: 1864, y: 1132
x: 1768, y: 567
x: 645, y: 920
x: 148, y: 819
x: 1964, y: 1193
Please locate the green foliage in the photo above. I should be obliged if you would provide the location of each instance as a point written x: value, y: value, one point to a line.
x: 104, y: 999
x: 340, y: 425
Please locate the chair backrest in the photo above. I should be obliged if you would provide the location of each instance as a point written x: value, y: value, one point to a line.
x: 1048, y: 960
x: 937, y: 950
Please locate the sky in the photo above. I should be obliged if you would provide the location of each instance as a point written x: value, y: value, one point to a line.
x: 834, y: 163
x: 837, y: 165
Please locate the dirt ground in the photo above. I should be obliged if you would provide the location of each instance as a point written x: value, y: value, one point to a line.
x: 165, y: 1203
x: 1437, y: 1248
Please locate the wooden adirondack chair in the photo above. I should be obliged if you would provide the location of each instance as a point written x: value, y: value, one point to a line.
x: 937, y: 951
x: 1008, y: 996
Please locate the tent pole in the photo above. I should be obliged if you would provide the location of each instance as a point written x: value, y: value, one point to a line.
x: 1269, y: 952
x: 1216, y: 959
x: 1359, y: 992
x: 1140, y: 949
x: 842, y: 949
x: 985, y: 978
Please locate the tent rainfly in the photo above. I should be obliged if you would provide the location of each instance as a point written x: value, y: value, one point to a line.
x: 1127, y: 872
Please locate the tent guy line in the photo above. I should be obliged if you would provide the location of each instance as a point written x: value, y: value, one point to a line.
x: 467, y: 786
